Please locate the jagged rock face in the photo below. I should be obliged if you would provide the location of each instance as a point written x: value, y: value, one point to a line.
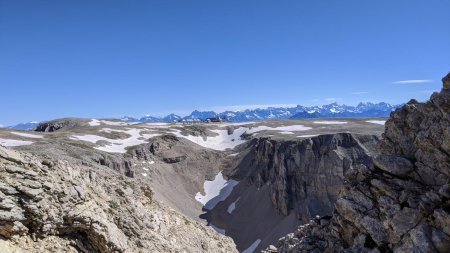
x: 402, y: 202
x: 446, y: 81
x: 56, y: 206
x: 119, y: 164
x: 306, y: 175
x: 420, y: 133
x: 33, y: 201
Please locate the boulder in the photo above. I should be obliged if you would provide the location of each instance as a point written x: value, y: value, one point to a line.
x: 395, y: 165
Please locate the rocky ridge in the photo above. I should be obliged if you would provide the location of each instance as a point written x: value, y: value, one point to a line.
x: 401, y: 203
x: 54, y: 206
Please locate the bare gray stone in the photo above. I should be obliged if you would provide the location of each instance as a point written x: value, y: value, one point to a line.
x: 395, y: 165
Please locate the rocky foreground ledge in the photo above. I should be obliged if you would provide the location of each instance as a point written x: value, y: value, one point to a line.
x: 402, y: 202
x: 54, y: 206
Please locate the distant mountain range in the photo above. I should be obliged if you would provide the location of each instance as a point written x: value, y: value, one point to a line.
x: 333, y: 110
x: 25, y: 126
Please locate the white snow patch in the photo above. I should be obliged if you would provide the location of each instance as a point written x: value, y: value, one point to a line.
x: 234, y: 154
x: 90, y: 138
x: 215, y: 191
x: 118, y: 123
x: 157, y: 124
x: 159, y: 127
x: 151, y: 162
x: 116, y: 146
x: 145, y: 169
x: 330, y: 122
x: 291, y: 128
x: 94, y: 122
x: 252, y: 247
x: 223, y: 140
x: 13, y: 143
x: 379, y: 122
x: 307, y: 135
x: 234, y: 124
x: 286, y: 132
x: 111, y: 130
x: 232, y: 206
x: 144, y: 174
x: 28, y: 135
x: 218, y: 230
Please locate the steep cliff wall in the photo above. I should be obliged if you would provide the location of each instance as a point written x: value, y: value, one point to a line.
x: 285, y: 182
x: 306, y: 175
x: 402, y: 202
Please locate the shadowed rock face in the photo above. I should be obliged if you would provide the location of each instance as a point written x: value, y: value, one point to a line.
x: 306, y: 175
x: 55, y: 125
x: 402, y: 202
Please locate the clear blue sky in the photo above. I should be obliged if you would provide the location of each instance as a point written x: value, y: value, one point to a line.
x: 114, y: 58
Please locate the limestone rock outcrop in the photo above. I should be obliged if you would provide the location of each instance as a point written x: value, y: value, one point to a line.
x: 402, y: 202
x: 56, y: 206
